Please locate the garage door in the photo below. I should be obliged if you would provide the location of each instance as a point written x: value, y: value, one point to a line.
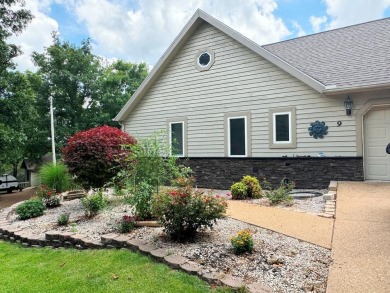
x: 376, y: 138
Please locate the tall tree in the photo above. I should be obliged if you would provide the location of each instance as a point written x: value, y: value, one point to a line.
x: 13, y: 137
x: 86, y: 92
x: 70, y: 75
x: 118, y: 82
x: 12, y: 21
x: 19, y: 134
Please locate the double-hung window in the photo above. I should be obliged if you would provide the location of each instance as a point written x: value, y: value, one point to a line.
x: 282, y: 130
x: 177, y: 137
x: 236, y: 137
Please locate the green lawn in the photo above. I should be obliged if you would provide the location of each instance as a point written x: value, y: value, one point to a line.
x: 59, y: 270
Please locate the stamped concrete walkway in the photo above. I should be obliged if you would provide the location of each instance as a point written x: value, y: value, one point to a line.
x: 307, y: 227
x: 361, y: 240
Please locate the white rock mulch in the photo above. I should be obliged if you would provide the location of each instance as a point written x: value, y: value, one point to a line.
x: 305, y: 266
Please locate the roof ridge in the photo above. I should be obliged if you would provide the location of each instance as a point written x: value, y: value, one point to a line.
x: 327, y: 31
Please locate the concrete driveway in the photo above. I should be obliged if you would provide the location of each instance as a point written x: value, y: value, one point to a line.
x: 361, y: 239
x: 8, y: 199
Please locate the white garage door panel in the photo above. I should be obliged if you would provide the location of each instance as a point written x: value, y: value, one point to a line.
x: 376, y: 133
x: 376, y: 138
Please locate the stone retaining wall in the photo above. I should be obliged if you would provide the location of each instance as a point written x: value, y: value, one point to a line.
x: 306, y: 172
x: 55, y: 239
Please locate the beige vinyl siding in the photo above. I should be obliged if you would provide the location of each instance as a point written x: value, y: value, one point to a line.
x: 239, y: 81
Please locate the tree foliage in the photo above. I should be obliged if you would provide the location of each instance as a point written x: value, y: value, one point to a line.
x: 12, y: 21
x: 117, y: 83
x: 70, y: 75
x: 20, y: 136
x: 95, y: 156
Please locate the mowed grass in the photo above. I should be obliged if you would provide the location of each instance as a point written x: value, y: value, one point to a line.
x: 59, y: 270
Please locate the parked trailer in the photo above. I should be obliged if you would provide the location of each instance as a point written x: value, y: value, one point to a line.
x: 8, y: 183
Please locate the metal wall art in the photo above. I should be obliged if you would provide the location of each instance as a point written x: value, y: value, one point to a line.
x: 318, y: 129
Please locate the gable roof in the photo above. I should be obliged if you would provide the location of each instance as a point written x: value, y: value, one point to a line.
x: 350, y: 58
x: 196, y: 20
x: 329, y: 62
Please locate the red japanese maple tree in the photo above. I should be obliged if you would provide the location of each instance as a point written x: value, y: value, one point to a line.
x: 96, y: 155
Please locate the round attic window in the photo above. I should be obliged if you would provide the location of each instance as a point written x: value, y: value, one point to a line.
x: 204, y: 59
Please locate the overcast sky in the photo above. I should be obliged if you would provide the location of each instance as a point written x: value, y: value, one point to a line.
x: 141, y: 30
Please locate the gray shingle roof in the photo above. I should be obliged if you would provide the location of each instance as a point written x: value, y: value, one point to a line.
x: 353, y: 56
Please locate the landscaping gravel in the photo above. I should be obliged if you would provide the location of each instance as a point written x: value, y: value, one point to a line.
x: 300, y: 266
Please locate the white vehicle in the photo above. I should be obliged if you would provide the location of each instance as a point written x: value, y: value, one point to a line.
x: 8, y: 183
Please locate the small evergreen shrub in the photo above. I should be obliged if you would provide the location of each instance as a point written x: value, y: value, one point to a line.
x: 56, y: 177
x: 253, y: 187
x: 30, y: 209
x: 243, y: 242
x: 63, y: 219
x: 127, y: 224
x: 93, y: 204
x: 238, y: 190
x: 183, y: 211
x: 281, y: 193
x: 248, y: 187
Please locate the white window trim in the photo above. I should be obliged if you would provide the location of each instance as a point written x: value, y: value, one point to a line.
x: 246, y: 136
x: 274, y: 127
x: 292, y: 143
x: 170, y: 139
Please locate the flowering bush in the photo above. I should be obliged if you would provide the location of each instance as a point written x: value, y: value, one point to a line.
x: 48, y: 196
x: 183, y: 211
x: 243, y: 242
x: 127, y: 223
x: 95, y: 156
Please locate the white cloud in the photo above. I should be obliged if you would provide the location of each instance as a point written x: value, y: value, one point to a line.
x: 317, y: 22
x: 36, y: 36
x: 343, y: 13
x: 144, y: 33
x: 300, y: 32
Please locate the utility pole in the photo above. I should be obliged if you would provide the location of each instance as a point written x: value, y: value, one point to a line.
x: 53, y: 144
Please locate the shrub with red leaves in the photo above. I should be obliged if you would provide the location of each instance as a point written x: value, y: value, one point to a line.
x: 96, y: 155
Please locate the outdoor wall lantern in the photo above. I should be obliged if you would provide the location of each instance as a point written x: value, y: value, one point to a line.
x: 348, y: 106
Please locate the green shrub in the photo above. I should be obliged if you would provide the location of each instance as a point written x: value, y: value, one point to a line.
x: 249, y: 186
x: 55, y: 177
x: 243, y: 242
x: 127, y: 224
x: 93, y: 204
x: 30, y: 209
x: 238, y: 190
x: 63, y: 219
x: 183, y: 211
x: 141, y: 200
x: 281, y: 193
x: 148, y: 166
x: 253, y: 188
